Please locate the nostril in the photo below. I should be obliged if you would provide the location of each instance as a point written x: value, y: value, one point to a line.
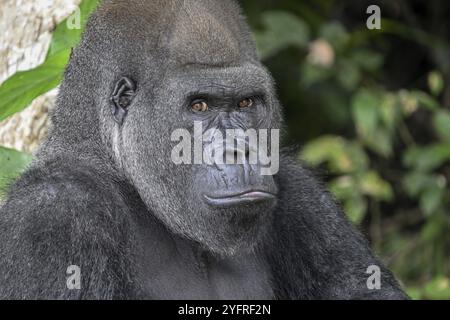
x: 235, y: 156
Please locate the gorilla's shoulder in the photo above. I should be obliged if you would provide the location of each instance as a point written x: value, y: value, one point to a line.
x: 57, y: 215
x: 60, y: 192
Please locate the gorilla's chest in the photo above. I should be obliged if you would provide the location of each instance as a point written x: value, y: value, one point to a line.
x: 174, y: 270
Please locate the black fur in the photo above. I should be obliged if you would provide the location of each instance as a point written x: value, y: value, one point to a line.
x: 104, y: 195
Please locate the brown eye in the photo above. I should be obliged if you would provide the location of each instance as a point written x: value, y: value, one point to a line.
x: 200, y: 106
x: 246, y: 103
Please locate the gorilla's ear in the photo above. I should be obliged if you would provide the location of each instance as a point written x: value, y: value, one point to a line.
x: 121, y: 98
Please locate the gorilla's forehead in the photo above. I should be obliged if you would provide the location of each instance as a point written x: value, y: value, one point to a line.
x: 200, y: 37
x: 182, y: 32
x: 241, y: 79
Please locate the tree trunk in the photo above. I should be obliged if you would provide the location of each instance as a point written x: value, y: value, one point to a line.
x: 26, y: 33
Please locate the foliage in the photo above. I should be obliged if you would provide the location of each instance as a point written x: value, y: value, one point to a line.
x: 382, y: 142
x: 369, y: 111
x: 22, y: 88
x: 12, y: 162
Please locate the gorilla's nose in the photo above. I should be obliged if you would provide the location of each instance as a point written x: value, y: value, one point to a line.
x: 239, y: 151
x: 238, y: 155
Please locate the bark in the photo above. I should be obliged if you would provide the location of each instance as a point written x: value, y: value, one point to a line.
x: 25, y: 35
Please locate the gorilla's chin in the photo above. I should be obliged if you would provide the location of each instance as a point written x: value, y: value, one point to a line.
x: 232, y: 230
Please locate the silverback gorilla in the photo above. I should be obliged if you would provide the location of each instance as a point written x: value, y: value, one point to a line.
x: 103, y: 193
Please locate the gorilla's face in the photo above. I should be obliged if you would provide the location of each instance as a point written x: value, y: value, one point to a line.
x: 225, y: 207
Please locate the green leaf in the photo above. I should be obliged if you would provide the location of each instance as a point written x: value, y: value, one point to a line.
x: 368, y: 60
x: 313, y: 74
x: 389, y: 111
x: 426, y: 159
x: 430, y: 188
x: 355, y: 208
x: 415, y: 182
x: 425, y: 100
x: 12, y: 164
x: 336, y: 34
x: 373, y: 185
x: 348, y: 74
x: 342, y: 156
x: 282, y: 29
x: 436, y: 83
x: 438, y: 289
x: 347, y: 190
x: 433, y: 228
x: 381, y: 142
x: 441, y: 123
x: 344, y: 187
x: 414, y: 292
x: 408, y: 102
x: 431, y: 200
x: 365, y: 115
x: 23, y: 87
x: 374, y: 115
x: 64, y: 37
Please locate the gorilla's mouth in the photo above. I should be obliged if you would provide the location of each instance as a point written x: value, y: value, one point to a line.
x: 247, y: 197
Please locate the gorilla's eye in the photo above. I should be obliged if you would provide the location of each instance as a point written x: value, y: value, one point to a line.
x: 246, y: 103
x: 200, y: 106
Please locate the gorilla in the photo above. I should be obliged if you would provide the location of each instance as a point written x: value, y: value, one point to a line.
x: 104, y: 196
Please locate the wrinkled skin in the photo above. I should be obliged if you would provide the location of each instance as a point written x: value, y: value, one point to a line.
x: 104, y: 194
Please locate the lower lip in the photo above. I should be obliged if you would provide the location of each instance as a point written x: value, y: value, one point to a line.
x: 245, y: 198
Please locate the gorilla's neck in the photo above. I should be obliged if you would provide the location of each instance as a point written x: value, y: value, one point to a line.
x: 167, y: 261
x: 197, y: 274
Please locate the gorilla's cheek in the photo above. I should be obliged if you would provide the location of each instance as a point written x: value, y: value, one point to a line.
x: 145, y: 158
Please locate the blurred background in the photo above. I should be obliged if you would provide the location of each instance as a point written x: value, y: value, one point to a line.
x: 368, y: 110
